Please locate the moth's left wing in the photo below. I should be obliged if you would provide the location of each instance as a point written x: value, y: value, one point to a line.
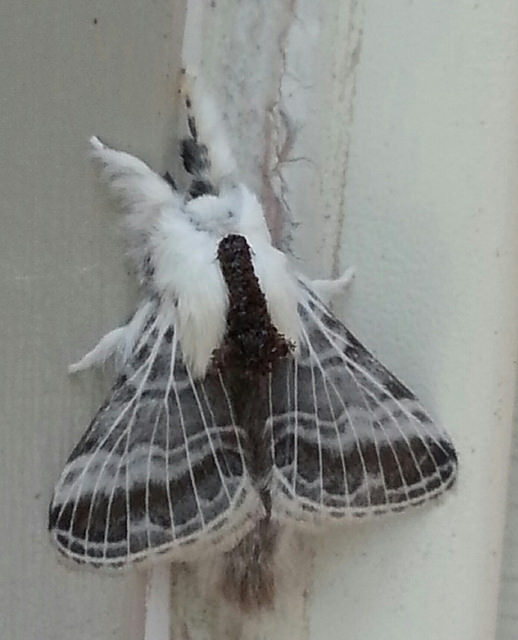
x: 161, y: 469
x: 348, y: 438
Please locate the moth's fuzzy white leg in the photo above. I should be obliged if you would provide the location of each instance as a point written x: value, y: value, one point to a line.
x: 327, y: 289
x: 118, y: 343
x: 142, y: 191
x: 209, y: 129
x: 144, y: 195
x: 104, y: 349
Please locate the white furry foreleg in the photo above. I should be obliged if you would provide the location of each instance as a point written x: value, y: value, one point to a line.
x: 107, y: 346
x: 327, y: 289
x: 140, y: 189
x: 118, y: 343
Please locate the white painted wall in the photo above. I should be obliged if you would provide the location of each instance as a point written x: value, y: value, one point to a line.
x: 63, y: 279
x: 507, y: 626
x: 402, y: 118
x: 431, y: 221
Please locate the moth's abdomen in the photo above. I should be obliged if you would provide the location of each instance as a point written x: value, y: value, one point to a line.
x: 251, y: 349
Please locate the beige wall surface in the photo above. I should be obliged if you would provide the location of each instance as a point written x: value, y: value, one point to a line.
x: 507, y: 628
x: 68, y: 69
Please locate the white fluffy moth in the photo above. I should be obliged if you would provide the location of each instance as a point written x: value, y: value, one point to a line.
x: 242, y: 405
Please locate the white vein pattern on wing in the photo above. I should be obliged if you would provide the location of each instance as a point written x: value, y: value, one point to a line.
x: 143, y: 524
x: 233, y: 419
x: 237, y: 436
x: 108, y: 457
x: 286, y: 502
x: 154, y: 351
x: 296, y: 425
x: 99, y: 446
x: 187, y: 452
x: 219, y: 430
x: 365, y: 392
x: 376, y: 383
x: 327, y: 332
x: 135, y: 329
x: 418, y: 430
x: 208, y: 434
x: 367, y: 484
x: 144, y: 459
x: 352, y: 415
x: 303, y: 510
x: 418, y: 436
x: 340, y: 445
x: 270, y: 415
x: 249, y: 505
x: 319, y: 442
x: 345, y: 413
x: 146, y: 334
x: 287, y: 505
x: 350, y: 420
x: 411, y: 418
x: 405, y: 411
x: 126, y: 488
x: 422, y: 487
x: 221, y: 533
x: 170, y: 382
x: 148, y: 473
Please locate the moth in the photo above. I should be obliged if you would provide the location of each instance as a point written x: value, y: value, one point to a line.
x: 242, y: 405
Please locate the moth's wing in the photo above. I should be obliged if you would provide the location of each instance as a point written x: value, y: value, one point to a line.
x: 349, y: 439
x: 160, y: 470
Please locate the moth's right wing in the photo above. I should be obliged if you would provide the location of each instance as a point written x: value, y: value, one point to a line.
x: 348, y: 438
x: 161, y: 469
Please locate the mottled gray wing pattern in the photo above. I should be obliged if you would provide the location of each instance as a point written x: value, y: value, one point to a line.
x: 161, y: 468
x: 348, y: 438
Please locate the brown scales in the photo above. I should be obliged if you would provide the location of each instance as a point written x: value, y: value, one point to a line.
x: 251, y: 347
x: 251, y: 344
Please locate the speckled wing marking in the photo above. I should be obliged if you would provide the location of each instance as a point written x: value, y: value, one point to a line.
x: 348, y: 438
x: 161, y: 468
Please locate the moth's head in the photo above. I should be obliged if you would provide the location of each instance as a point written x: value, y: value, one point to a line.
x: 235, y: 210
x: 234, y: 253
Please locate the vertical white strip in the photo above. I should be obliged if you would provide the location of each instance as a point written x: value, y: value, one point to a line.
x: 158, y: 603
x: 282, y: 75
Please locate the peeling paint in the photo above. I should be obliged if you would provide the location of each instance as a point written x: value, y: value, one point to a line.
x: 270, y: 68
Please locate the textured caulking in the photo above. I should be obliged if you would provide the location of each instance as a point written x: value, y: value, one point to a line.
x: 242, y: 405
